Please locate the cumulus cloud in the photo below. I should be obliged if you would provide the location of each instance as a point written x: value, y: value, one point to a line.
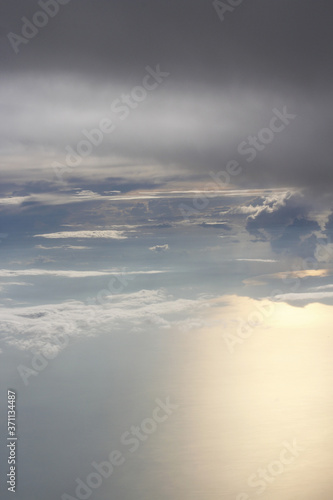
x: 273, y: 212
x: 267, y: 202
x: 284, y: 220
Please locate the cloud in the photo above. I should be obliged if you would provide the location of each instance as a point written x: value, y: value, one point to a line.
x: 9, y: 273
x: 13, y: 200
x: 92, y: 234
x: 287, y: 276
x: 38, y: 327
x: 257, y: 260
x: 295, y: 239
x: 63, y: 247
x: 14, y: 283
x: 220, y: 225
x: 274, y: 211
x: 323, y: 287
x: 159, y: 248
x: 329, y: 227
x: 304, y: 296
x: 284, y: 221
x: 39, y: 259
x: 205, y: 109
x: 245, y: 210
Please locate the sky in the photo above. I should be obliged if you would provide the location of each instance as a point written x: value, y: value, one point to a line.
x: 166, y: 231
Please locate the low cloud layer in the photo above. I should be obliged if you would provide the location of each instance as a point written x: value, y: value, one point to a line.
x: 41, y: 327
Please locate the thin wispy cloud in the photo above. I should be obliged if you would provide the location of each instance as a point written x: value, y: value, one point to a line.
x: 63, y: 247
x: 3, y: 285
x: 323, y: 287
x: 88, y: 234
x: 10, y: 273
x: 301, y: 296
x: 256, y: 260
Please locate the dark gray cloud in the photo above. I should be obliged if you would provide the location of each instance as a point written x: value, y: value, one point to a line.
x: 278, y: 41
x: 286, y: 223
x: 225, y: 80
x: 295, y: 239
x: 276, y: 213
x: 329, y: 227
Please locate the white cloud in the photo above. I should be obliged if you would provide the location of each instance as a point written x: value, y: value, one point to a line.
x: 65, y: 247
x: 109, y: 234
x: 159, y: 248
x: 263, y: 279
x: 256, y: 260
x: 312, y: 296
x: 216, y: 193
x: 87, y: 194
x: 324, y: 252
x: 14, y: 283
x: 65, y: 196
x: 38, y: 327
x: 10, y: 273
x: 323, y: 287
x: 270, y: 203
x: 13, y: 200
x: 247, y: 210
